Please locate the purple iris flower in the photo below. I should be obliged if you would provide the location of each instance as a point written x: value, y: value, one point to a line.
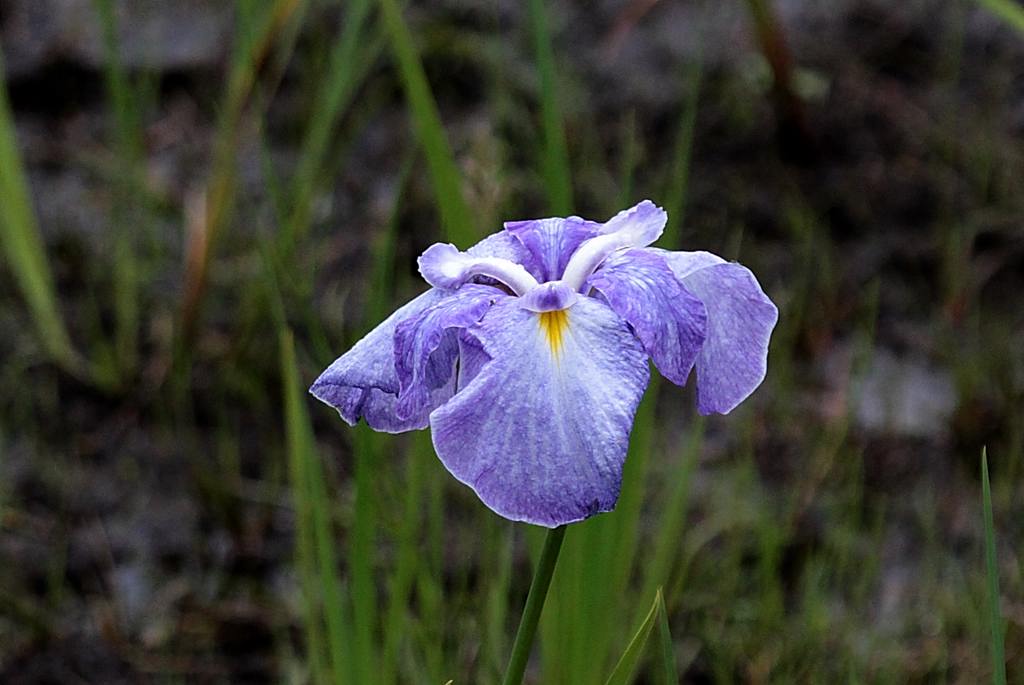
x: 528, y: 356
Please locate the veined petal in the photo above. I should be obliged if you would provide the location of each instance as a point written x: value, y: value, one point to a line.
x: 734, y: 358
x: 472, y: 358
x: 551, y: 242
x: 541, y: 432
x: 443, y: 266
x: 502, y: 245
x: 548, y: 297
x: 362, y: 383
x: 426, y: 346
x: 669, y: 320
x: 638, y: 226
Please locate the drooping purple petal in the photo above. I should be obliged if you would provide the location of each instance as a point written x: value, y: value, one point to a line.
x: 551, y: 242
x: 669, y: 320
x: 541, y: 432
x: 362, y: 383
x: 426, y: 345
x: 734, y: 358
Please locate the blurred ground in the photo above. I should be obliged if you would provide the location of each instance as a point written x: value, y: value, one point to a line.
x: 884, y: 214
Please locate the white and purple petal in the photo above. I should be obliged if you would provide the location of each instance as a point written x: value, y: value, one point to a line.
x: 426, y: 346
x: 362, y: 383
x: 734, y: 358
x: 551, y: 242
x: 637, y: 226
x: 640, y: 225
x: 669, y: 320
x: 540, y: 432
x: 444, y: 266
x: 550, y: 296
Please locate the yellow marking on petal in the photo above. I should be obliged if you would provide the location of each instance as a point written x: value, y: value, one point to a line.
x: 554, y: 324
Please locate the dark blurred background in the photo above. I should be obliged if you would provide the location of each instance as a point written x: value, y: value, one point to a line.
x: 196, y: 189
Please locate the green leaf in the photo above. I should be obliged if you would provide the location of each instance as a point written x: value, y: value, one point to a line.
x: 992, y: 570
x: 350, y: 60
x: 317, y: 554
x: 555, y: 163
x: 630, y: 659
x: 1007, y: 10
x: 678, y: 182
x: 21, y: 241
x: 665, y: 662
x: 444, y: 174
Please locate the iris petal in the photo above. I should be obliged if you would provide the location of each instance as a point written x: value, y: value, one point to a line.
x: 734, y: 358
x: 541, y: 435
x: 637, y: 226
x: 669, y: 320
x: 362, y: 383
x: 444, y: 266
x: 427, y: 347
x: 551, y: 242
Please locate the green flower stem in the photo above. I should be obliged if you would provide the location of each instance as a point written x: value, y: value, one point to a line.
x: 534, y: 604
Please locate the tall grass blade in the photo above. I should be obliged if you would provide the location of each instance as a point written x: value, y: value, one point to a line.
x: 678, y: 183
x: 630, y: 154
x: 404, y: 574
x: 23, y: 245
x: 366, y: 445
x: 665, y: 548
x: 665, y: 669
x: 992, y: 570
x: 444, y: 174
x: 555, y: 162
x: 257, y: 32
x: 361, y: 555
x: 630, y: 659
x: 1007, y: 10
x: 346, y: 68
x: 383, y: 252
x: 401, y: 581
x: 128, y: 143
x: 317, y: 556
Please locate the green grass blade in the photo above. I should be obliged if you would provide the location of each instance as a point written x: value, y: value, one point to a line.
x: 1007, y: 10
x: 992, y: 569
x: 23, y: 244
x: 361, y: 555
x: 622, y: 674
x: 383, y: 252
x: 665, y: 547
x: 346, y: 68
x: 678, y: 183
x: 338, y: 630
x: 364, y: 533
x: 257, y: 32
x: 444, y: 174
x: 630, y: 155
x: 666, y: 669
x: 315, y: 549
x: 128, y: 144
x: 404, y: 574
x: 555, y: 163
